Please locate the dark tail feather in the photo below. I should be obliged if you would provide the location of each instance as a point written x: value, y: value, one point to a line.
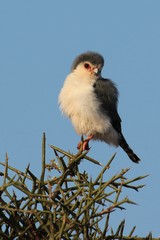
x: 128, y: 150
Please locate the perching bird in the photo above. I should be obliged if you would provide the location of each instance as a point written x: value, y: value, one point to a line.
x: 90, y: 101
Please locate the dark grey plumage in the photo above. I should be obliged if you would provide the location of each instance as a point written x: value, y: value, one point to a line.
x: 107, y: 94
x: 92, y: 57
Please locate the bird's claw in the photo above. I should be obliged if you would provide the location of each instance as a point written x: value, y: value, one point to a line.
x: 83, y: 145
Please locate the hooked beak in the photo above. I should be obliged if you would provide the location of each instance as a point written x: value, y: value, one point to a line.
x: 95, y: 70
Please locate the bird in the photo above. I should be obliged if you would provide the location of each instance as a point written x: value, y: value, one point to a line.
x: 91, y: 103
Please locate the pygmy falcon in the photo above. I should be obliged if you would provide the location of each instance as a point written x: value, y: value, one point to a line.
x: 90, y: 101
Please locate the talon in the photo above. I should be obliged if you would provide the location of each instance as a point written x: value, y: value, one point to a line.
x: 80, y: 144
x: 84, y: 144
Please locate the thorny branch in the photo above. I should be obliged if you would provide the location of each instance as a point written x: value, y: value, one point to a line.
x: 68, y: 205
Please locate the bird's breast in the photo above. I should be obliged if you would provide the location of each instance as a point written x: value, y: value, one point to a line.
x: 79, y: 102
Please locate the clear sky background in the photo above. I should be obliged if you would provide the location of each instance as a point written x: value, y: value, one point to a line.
x: 38, y: 42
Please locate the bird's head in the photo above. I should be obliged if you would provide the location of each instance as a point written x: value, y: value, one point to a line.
x: 88, y: 64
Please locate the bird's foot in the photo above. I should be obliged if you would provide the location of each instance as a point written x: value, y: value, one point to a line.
x: 84, y: 144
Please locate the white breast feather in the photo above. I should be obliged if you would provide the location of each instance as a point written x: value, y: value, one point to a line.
x: 78, y: 101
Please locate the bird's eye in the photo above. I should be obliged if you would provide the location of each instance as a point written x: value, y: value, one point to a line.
x: 86, y: 65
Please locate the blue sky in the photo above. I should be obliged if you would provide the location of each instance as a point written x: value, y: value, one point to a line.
x: 38, y: 42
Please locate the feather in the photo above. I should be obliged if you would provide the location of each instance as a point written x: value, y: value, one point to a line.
x: 107, y: 93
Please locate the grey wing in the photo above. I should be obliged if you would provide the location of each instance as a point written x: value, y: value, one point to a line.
x: 107, y: 94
